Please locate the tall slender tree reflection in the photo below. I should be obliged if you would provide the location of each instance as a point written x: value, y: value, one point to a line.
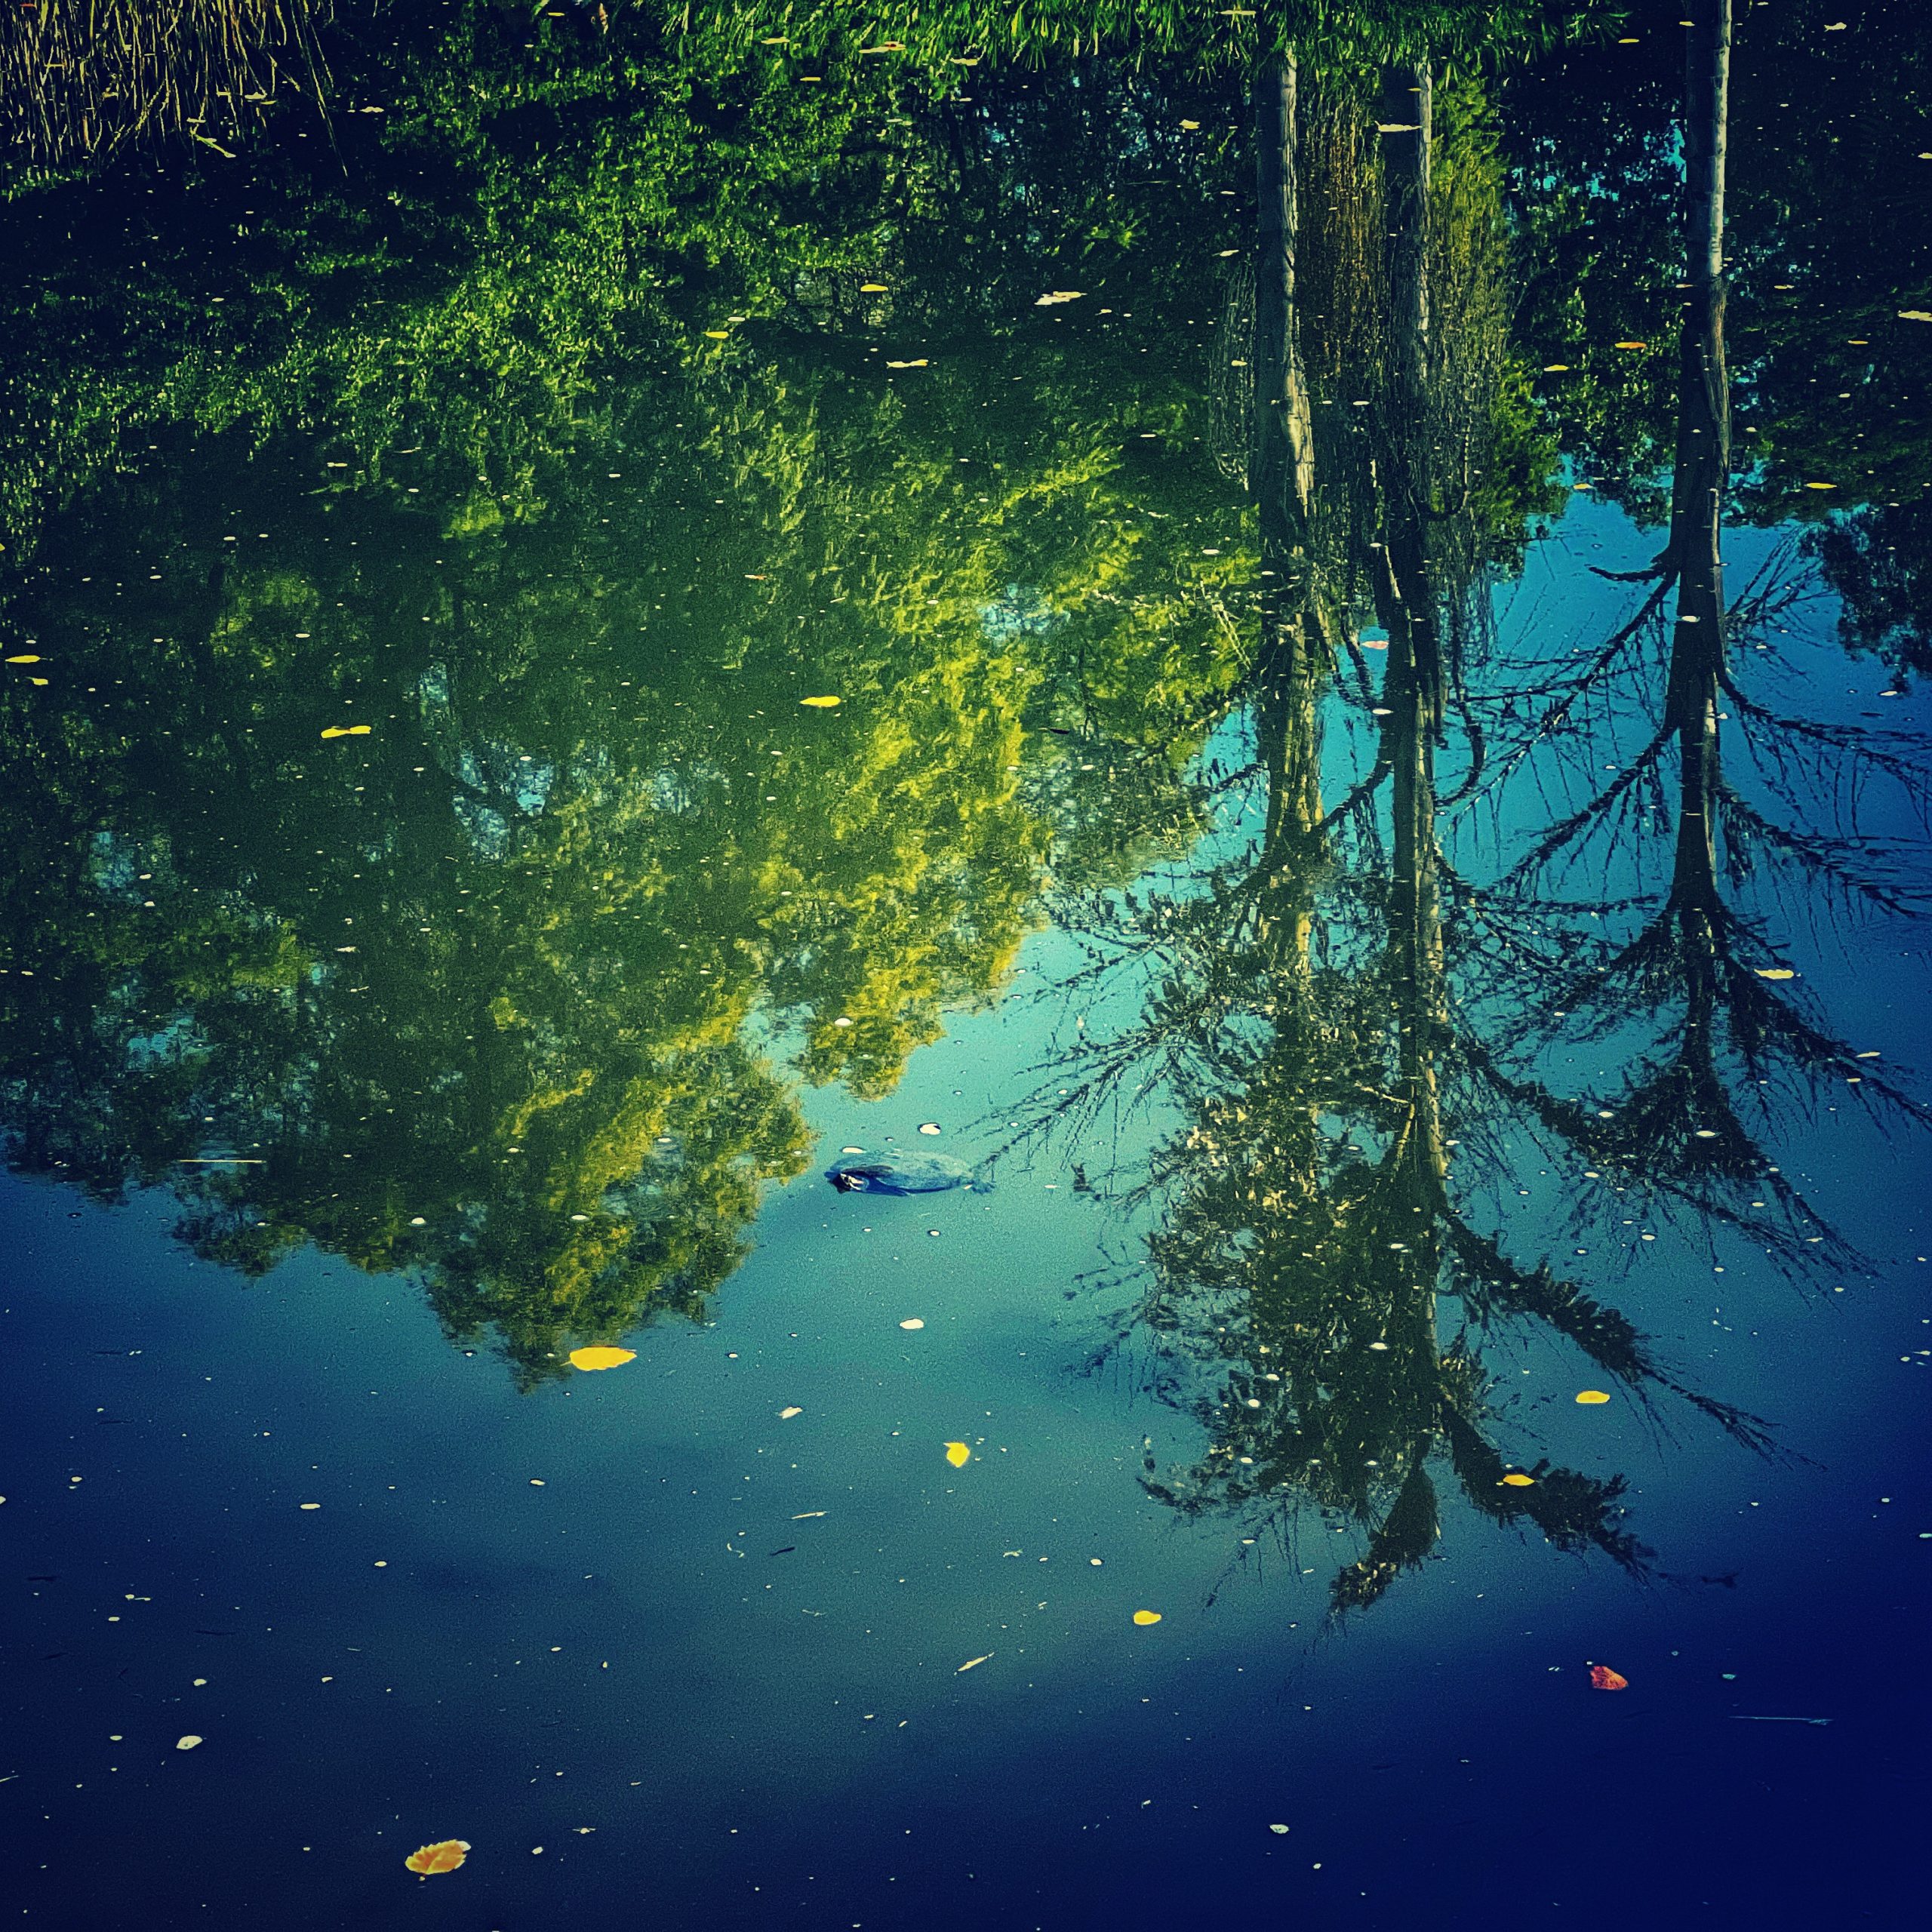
x: 1334, y: 1015
x: 1735, y: 1046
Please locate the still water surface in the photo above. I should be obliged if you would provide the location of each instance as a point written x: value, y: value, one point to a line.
x: 1424, y: 966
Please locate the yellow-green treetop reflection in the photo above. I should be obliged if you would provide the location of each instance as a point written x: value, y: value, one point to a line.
x: 513, y: 991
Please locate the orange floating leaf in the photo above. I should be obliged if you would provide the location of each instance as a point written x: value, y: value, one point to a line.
x: 427, y: 1860
x: 1515, y: 1479
x: 1602, y: 1677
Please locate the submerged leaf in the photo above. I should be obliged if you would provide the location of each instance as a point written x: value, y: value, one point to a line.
x: 429, y: 1860
x: 602, y: 1356
x: 958, y: 1454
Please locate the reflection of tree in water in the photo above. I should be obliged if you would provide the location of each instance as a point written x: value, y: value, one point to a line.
x: 1734, y: 1048
x: 1340, y: 1012
x: 503, y: 994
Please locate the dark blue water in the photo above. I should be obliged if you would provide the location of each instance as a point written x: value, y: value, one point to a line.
x: 1356, y: 1059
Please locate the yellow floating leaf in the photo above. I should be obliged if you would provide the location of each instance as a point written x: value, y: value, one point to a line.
x: 1775, y: 973
x: 1144, y: 1617
x: 918, y: 362
x: 1515, y: 1479
x: 1633, y: 345
x: 971, y: 1663
x: 1190, y: 125
x: 958, y: 1454
x: 1821, y: 486
x: 429, y: 1860
x: 1555, y: 368
x: 914, y: 1325
x: 718, y: 335
x: 1590, y: 1398
x: 1053, y: 297
x: 1915, y: 315
x: 187, y: 1742
x: 785, y: 1415
x: 873, y: 288
x: 25, y: 657
x: 601, y: 1356
x: 347, y: 730
x: 821, y: 703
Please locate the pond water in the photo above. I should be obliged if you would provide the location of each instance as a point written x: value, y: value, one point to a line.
x: 616, y: 626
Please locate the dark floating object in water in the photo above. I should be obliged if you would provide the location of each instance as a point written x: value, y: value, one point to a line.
x: 900, y: 1173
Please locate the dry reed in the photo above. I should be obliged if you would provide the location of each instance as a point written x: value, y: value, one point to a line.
x: 80, y: 79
